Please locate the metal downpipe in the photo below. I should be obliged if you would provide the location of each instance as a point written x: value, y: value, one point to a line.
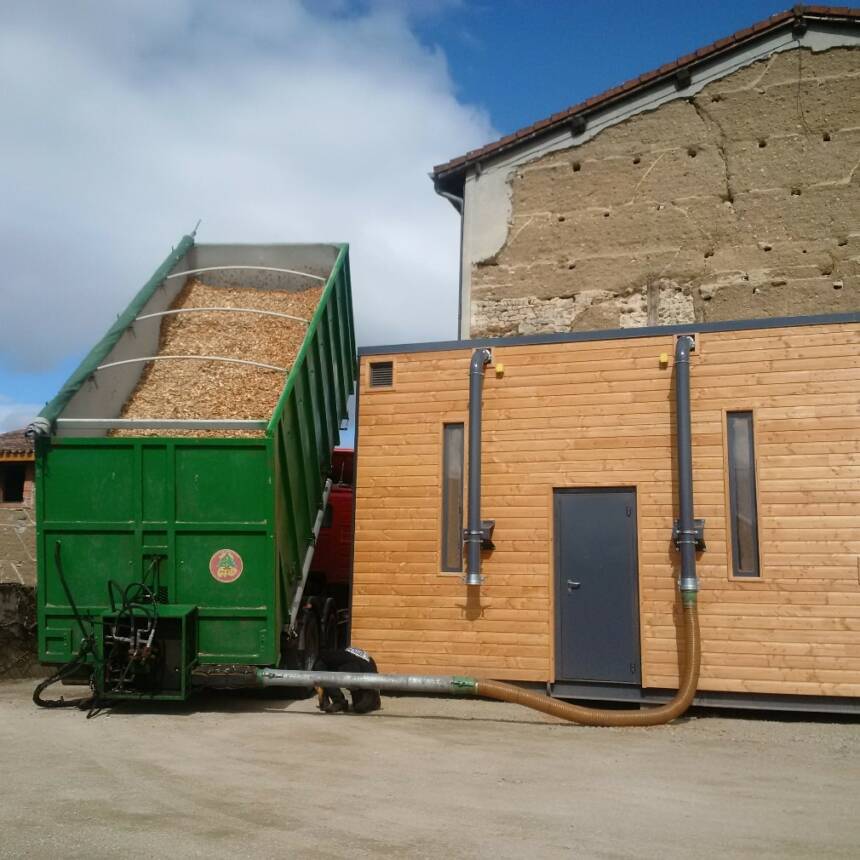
x: 459, y: 203
x: 474, y: 535
x: 689, y: 583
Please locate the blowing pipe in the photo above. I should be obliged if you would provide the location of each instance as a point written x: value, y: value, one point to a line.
x: 465, y: 686
x: 437, y: 684
x: 456, y: 685
x: 474, y: 534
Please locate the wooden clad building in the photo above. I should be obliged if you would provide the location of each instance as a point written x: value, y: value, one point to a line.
x: 578, y: 456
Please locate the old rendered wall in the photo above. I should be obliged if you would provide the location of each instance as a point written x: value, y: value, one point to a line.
x: 599, y: 413
x: 741, y: 202
x: 18, y: 583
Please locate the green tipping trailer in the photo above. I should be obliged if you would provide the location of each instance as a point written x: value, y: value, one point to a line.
x: 162, y: 555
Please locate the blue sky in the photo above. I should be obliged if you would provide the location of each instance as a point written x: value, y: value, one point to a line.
x: 526, y: 60
x: 274, y: 121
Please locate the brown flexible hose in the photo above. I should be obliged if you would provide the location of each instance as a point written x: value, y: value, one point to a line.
x: 599, y: 717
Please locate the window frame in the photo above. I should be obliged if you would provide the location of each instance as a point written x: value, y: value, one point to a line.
x: 444, y: 501
x: 733, y: 543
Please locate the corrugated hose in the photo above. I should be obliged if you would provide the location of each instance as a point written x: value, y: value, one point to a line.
x: 603, y: 717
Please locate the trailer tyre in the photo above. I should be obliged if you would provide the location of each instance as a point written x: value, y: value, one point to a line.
x: 329, y: 627
x: 309, y: 638
x: 299, y: 652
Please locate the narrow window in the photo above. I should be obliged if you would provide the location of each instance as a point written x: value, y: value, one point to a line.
x: 742, y: 494
x: 381, y: 374
x: 452, y: 497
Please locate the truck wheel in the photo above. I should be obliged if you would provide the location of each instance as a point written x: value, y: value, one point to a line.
x: 309, y: 639
x: 299, y: 652
x: 330, y: 626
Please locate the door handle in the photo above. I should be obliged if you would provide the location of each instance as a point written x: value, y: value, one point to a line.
x: 571, y: 585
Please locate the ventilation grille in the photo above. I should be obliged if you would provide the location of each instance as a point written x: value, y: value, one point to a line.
x: 161, y: 595
x: 381, y: 374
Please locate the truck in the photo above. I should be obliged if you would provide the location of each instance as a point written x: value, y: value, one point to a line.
x: 173, y: 548
x: 330, y: 581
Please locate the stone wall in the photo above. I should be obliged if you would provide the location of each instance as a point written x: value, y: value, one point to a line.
x: 741, y: 202
x: 18, y: 584
x: 18, y: 537
x: 17, y: 631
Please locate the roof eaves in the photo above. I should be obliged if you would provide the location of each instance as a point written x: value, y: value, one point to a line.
x: 450, y: 168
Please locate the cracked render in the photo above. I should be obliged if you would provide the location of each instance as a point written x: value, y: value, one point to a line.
x: 740, y: 202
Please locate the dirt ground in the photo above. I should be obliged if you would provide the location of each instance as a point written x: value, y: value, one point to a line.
x: 252, y: 776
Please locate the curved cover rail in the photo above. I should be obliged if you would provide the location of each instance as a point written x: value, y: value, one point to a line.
x: 162, y: 423
x: 231, y: 310
x: 255, y: 268
x: 192, y: 358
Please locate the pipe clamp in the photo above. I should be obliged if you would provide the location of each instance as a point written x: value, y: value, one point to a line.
x: 696, y: 535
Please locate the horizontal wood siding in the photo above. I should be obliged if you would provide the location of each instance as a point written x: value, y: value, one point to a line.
x: 601, y: 414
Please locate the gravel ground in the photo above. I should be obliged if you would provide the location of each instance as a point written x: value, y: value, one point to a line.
x: 257, y: 776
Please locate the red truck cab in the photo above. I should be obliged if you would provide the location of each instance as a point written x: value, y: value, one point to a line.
x: 333, y: 553
x: 327, y: 592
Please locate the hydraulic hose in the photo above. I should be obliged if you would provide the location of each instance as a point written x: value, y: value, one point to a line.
x: 63, y: 672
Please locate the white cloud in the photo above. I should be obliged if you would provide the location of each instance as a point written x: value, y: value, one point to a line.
x: 122, y: 125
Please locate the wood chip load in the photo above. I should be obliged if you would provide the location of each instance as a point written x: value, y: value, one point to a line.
x: 217, y: 389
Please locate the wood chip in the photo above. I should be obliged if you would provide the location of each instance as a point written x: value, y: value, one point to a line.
x: 215, y: 389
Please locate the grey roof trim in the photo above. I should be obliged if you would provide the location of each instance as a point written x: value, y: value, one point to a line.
x: 614, y: 334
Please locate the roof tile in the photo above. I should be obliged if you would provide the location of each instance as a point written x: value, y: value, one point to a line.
x: 15, y: 442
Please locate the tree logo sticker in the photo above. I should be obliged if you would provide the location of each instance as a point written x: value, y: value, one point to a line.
x: 226, y: 565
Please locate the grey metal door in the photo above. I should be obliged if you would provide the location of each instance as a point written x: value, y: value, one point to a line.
x: 597, y: 599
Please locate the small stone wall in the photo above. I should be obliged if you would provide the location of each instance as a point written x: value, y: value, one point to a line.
x: 18, y: 544
x: 18, y: 584
x: 17, y: 631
